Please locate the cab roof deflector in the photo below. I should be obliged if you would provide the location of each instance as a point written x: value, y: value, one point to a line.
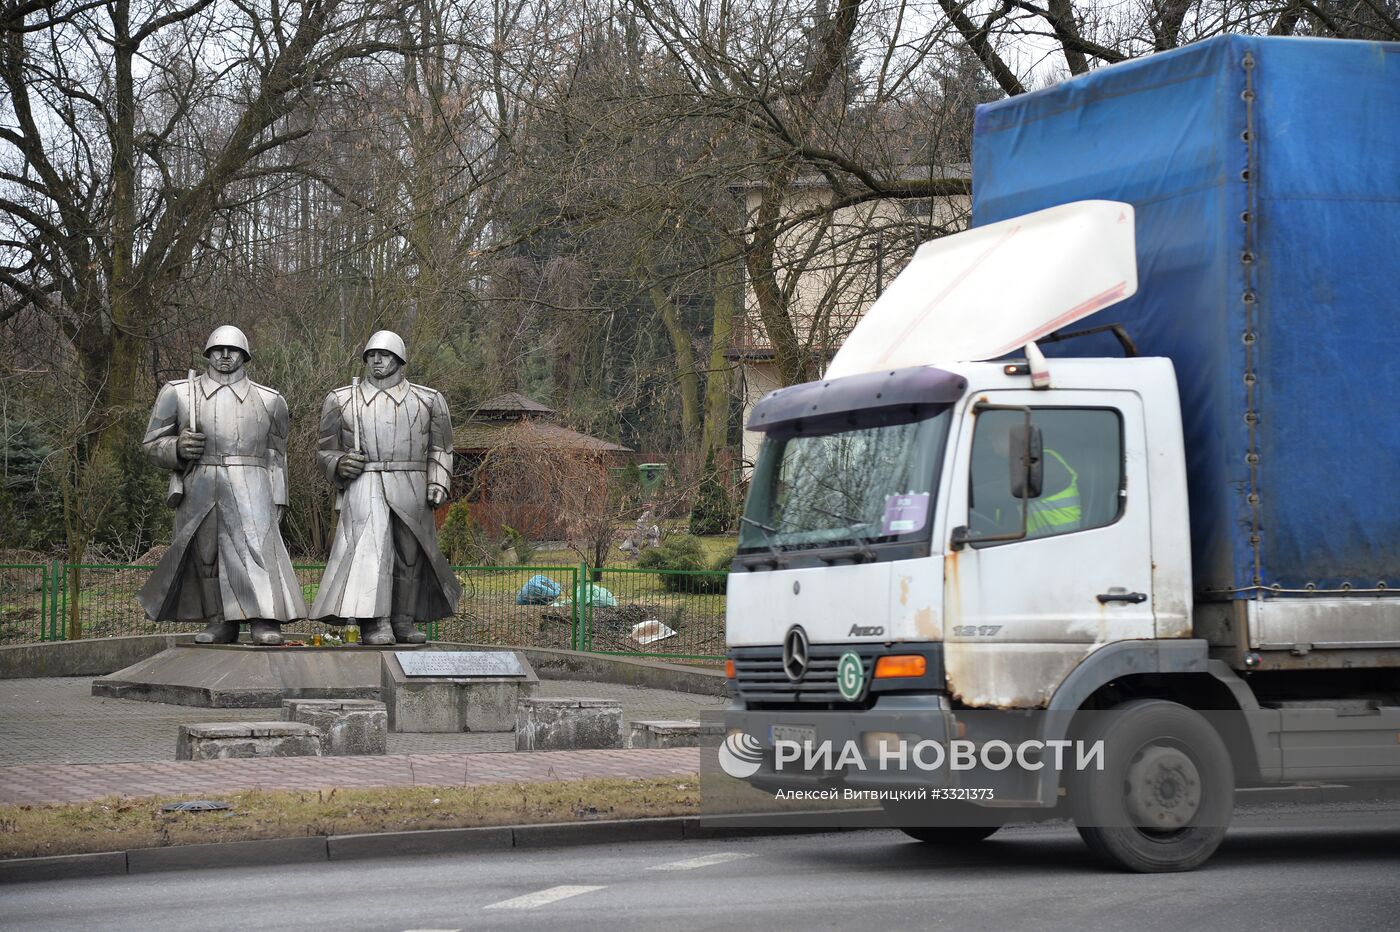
x: 871, y: 399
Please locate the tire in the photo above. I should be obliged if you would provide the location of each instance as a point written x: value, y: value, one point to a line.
x: 921, y: 824
x: 1164, y: 798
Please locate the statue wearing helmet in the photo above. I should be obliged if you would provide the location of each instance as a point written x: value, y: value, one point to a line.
x: 224, y: 438
x: 386, y: 446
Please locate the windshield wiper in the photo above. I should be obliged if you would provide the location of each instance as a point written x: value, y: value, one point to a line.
x: 859, y: 552
x: 777, y: 562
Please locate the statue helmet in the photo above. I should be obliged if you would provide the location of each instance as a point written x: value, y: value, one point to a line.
x: 386, y: 340
x: 228, y: 335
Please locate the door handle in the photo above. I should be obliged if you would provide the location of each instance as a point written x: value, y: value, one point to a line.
x: 1119, y: 595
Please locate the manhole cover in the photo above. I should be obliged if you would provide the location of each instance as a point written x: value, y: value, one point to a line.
x: 196, y: 805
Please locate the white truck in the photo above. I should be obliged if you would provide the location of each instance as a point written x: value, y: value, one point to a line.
x: 1176, y: 539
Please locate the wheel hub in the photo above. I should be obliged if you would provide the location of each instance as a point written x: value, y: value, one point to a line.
x: 1164, y: 789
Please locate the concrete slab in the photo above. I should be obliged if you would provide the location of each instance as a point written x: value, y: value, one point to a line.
x: 229, y: 740
x: 238, y: 676
x: 676, y: 734
x: 568, y: 723
x: 348, y: 726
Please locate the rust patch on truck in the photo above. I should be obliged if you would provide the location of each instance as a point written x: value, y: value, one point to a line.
x: 924, y: 621
x: 904, y: 590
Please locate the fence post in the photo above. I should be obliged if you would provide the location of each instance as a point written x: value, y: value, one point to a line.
x: 43, y: 603
x: 55, y: 578
x: 580, y: 609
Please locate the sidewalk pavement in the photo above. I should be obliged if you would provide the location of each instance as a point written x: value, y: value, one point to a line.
x: 58, y: 720
x: 38, y: 784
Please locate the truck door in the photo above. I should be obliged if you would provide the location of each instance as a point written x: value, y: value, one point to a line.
x: 1023, y: 610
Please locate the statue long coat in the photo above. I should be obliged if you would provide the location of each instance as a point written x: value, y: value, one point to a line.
x: 406, y: 435
x: 240, y: 481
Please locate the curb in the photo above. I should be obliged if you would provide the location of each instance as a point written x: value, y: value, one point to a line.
x: 326, y: 848
x: 314, y: 849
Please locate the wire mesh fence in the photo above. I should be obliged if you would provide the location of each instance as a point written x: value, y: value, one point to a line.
x: 659, y: 613
x: 25, y: 613
x: 668, y: 614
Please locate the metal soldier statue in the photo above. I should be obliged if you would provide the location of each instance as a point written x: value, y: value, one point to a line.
x: 225, y: 439
x: 386, y: 445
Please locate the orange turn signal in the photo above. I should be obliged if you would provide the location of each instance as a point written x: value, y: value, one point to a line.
x: 729, y: 669
x: 901, y: 665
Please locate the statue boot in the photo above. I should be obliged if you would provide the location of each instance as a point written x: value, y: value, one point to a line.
x: 218, y: 631
x: 405, y: 599
x: 265, y: 633
x: 405, y: 631
x: 376, y: 631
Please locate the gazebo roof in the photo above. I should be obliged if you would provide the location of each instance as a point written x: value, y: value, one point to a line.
x: 487, y: 435
x: 511, y: 404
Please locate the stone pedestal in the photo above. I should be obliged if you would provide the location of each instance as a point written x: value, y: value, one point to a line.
x: 453, y: 703
x: 347, y: 726
x: 239, y: 676
x: 223, y: 740
x: 678, y: 734
x: 568, y: 724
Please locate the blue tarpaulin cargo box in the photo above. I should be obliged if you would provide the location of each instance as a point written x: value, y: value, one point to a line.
x: 1265, y: 173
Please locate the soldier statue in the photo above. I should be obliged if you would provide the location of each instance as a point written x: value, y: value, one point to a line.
x: 386, y: 446
x: 224, y: 438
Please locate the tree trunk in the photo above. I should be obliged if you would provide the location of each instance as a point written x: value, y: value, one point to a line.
x: 727, y: 290
x: 686, y: 376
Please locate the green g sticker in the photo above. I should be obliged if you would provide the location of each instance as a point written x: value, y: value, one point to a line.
x: 850, y: 676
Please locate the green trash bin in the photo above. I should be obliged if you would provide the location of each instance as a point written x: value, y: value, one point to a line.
x: 653, y: 475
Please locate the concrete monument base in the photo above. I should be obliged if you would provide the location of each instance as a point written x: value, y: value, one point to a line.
x: 239, y: 676
x: 420, y: 703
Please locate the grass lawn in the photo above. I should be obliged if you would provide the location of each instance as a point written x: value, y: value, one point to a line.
x: 116, y: 823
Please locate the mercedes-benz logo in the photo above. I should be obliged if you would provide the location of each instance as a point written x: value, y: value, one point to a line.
x: 795, y: 651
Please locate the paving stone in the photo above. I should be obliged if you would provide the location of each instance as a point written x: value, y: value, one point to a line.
x: 38, y: 784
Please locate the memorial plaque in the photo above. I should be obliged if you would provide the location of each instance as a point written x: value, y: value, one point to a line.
x: 459, y: 663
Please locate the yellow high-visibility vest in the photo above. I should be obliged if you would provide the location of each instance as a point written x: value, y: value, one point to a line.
x: 1058, y: 513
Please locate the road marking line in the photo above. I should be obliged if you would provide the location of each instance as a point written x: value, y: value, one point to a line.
x: 542, y: 897
x: 709, y: 859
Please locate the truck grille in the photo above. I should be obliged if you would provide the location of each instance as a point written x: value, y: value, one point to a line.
x: 759, y: 678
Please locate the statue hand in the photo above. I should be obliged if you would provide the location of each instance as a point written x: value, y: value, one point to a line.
x: 436, y: 495
x: 350, y: 466
x: 190, y: 446
x: 278, y: 512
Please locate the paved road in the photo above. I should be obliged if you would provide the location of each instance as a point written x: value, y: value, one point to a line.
x: 58, y: 720
x: 1273, y: 873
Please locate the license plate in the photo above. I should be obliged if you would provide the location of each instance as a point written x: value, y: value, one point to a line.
x: 797, y: 734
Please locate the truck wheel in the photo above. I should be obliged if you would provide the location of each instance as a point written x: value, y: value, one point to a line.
x: 947, y: 826
x: 1164, y: 798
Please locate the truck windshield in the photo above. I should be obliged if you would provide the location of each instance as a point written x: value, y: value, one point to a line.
x: 860, y: 486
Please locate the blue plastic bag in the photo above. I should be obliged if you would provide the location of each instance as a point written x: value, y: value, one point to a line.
x: 538, y: 590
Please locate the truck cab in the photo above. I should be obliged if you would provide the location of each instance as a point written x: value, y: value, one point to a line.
x: 997, y: 551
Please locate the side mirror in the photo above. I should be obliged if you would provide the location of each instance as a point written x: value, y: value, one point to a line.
x: 1027, y: 466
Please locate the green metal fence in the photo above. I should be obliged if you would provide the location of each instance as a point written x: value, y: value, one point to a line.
x: 668, y: 614
x: 658, y: 613
x: 25, y: 612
